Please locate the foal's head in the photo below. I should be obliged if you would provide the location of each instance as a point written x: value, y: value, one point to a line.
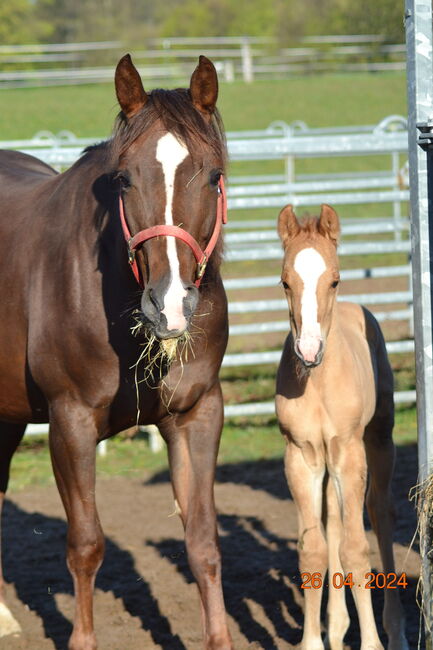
x: 310, y: 277
x: 169, y: 154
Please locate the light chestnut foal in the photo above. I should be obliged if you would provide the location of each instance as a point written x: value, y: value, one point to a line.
x: 335, y: 408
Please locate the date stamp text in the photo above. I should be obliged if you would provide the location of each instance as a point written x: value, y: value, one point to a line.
x: 339, y: 580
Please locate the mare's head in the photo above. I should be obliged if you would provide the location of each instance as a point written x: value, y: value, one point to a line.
x: 310, y: 277
x: 168, y: 153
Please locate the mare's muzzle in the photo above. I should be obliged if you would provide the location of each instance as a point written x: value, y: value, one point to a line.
x: 165, y: 322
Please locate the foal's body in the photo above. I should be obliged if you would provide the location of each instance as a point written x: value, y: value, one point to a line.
x: 67, y: 353
x: 335, y: 408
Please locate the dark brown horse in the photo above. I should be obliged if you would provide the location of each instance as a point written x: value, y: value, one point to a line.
x: 75, y: 320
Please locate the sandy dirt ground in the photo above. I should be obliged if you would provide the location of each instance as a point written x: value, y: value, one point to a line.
x: 145, y: 597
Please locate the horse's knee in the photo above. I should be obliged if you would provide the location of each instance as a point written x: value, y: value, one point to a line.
x: 203, y: 552
x: 354, y: 554
x: 85, y: 555
x: 313, y: 550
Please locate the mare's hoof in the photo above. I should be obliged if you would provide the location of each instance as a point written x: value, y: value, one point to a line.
x: 8, y: 624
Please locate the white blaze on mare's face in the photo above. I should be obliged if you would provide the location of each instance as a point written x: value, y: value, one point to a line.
x: 170, y: 153
x: 309, y: 265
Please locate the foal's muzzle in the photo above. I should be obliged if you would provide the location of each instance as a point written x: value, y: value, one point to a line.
x: 155, y: 316
x: 309, y: 363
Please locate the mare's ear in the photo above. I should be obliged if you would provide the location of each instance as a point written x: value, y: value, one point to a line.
x: 129, y: 89
x: 204, y: 86
x: 288, y: 226
x: 329, y: 224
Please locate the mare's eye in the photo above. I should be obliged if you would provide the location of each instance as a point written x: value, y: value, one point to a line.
x: 285, y: 285
x: 121, y: 179
x: 335, y: 284
x: 214, y: 177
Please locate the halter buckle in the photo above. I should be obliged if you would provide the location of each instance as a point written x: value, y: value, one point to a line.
x: 131, y: 252
x: 201, y: 267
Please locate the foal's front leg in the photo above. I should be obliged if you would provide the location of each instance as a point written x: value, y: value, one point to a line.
x: 193, y: 440
x: 73, y: 436
x: 348, y: 468
x: 305, y: 470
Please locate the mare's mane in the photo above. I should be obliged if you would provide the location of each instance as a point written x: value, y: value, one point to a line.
x: 178, y: 115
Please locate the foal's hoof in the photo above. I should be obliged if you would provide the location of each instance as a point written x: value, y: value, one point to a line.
x: 8, y: 624
x: 219, y: 642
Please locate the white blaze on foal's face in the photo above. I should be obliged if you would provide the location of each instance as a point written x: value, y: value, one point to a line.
x: 170, y: 153
x: 309, y: 265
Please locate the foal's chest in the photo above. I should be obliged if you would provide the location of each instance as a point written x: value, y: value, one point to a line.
x: 325, y: 411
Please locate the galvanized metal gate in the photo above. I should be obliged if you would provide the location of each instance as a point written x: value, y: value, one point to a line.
x: 418, y: 18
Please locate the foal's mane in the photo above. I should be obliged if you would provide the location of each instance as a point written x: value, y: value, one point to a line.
x: 309, y: 227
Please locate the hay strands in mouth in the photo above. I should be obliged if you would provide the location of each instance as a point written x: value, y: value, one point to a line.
x: 170, y: 347
x: 154, y: 355
x: 157, y: 356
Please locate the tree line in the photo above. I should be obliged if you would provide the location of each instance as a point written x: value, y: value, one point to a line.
x: 137, y: 21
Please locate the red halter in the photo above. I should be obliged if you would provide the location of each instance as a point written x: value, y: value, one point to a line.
x: 201, y: 256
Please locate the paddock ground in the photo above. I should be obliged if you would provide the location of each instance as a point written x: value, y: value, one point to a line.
x: 145, y: 597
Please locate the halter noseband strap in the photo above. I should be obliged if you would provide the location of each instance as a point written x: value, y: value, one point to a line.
x: 201, y: 256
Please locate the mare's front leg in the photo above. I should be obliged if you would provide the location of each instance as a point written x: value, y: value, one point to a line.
x: 10, y: 437
x: 193, y: 440
x: 305, y: 470
x: 73, y: 436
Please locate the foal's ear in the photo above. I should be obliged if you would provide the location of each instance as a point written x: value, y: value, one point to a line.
x: 288, y: 226
x: 204, y: 86
x: 129, y: 89
x: 329, y: 224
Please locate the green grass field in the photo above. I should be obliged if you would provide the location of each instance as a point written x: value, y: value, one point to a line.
x: 327, y: 100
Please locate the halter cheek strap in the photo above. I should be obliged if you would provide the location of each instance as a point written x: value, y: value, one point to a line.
x: 201, y: 256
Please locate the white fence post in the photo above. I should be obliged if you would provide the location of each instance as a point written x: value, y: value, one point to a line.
x: 247, y: 61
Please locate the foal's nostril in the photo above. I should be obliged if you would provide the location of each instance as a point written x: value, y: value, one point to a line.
x: 309, y: 362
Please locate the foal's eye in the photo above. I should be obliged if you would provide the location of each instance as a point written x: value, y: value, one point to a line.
x: 214, y: 177
x: 335, y: 284
x: 285, y: 285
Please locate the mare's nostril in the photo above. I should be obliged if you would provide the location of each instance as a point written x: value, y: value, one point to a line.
x: 190, y: 301
x: 154, y: 299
